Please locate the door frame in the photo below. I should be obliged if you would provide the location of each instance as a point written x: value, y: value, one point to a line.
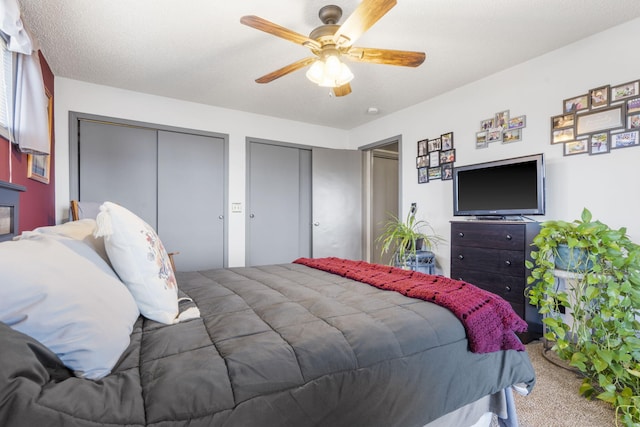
x: 367, y: 170
x: 74, y: 158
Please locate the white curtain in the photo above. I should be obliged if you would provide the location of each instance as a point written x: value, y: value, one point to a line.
x: 28, y: 119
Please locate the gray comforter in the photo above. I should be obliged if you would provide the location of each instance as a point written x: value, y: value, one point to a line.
x: 283, y: 345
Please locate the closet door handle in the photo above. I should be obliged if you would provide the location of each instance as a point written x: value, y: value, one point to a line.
x: 252, y: 216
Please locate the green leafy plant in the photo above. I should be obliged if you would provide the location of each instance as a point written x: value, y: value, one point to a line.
x: 405, y: 238
x: 602, y: 297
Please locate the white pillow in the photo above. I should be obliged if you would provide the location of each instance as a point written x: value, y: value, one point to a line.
x: 138, y: 256
x: 68, y: 303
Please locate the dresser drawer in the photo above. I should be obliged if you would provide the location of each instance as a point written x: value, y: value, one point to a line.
x: 502, y: 261
x: 486, y: 235
x: 508, y: 287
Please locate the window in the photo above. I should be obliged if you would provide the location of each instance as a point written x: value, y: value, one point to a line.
x: 5, y: 87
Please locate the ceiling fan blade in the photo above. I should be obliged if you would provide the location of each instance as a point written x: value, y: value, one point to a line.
x: 385, y: 56
x: 285, y: 70
x: 365, y: 15
x: 343, y: 90
x: 279, y: 31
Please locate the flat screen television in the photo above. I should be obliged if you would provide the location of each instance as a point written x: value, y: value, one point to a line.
x: 501, y: 188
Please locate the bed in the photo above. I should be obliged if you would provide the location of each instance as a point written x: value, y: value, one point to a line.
x: 299, y: 344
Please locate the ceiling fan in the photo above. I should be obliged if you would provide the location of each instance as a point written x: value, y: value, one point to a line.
x: 331, y: 42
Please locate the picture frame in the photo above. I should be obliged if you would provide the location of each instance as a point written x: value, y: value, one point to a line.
x: 625, y: 90
x: 423, y: 175
x: 599, y: 97
x: 562, y: 135
x: 511, y: 135
x: 434, y: 144
x: 422, y: 161
x: 600, y: 120
x: 625, y: 139
x: 494, y: 134
x: 481, y: 139
x: 434, y: 173
x: 422, y: 147
x: 633, y: 121
x: 447, y: 140
x: 579, y: 146
x: 487, y: 124
x: 39, y: 165
x: 447, y: 172
x: 563, y: 121
x: 633, y: 105
x: 434, y: 159
x: 517, y: 122
x: 599, y: 143
x: 575, y: 104
x: 448, y: 156
x: 502, y: 119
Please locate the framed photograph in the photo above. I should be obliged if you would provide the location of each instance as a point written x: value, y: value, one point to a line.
x: 434, y: 160
x: 633, y: 106
x: 434, y: 173
x: 422, y: 147
x: 447, y: 171
x: 511, y: 135
x: 562, y: 135
x: 599, y: 143
x: 563, y: 121
x: 575, y: 104
x: 38, y: 165
x: 487, y: 124
x: 422, y: 161
x: 633, y: 121
x: 625, y: 139
x: 435, y: 144
x: 447, y: 140
x: 481, y: 139
x: 517, y: 122
x: 423, y: 176
x: 598, y: 121
x: 448, y: 156
x: 494, y: 134
x: 579, y: 146
x: 599, y: 97
x: 502, y: 119
x: 624, y: 91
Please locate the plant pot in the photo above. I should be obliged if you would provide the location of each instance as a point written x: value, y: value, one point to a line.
x: 572, y: 259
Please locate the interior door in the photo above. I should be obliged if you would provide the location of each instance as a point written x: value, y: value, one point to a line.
x: 337, y: 203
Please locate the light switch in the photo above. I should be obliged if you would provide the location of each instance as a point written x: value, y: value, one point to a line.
x: 236, y: 207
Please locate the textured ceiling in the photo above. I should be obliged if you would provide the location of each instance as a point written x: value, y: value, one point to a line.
x: 198, y: 51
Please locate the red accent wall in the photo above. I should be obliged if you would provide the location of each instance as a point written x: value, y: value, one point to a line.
x: 37, y: 203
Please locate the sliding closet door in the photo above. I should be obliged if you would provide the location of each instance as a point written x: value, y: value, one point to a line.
x: 119, y: 164
x: 191, y: 199
x: 278, y: 203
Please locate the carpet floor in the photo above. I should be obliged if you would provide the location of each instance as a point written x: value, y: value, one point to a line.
x: 555, y: 400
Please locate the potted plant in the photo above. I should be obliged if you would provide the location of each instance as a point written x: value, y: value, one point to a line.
x: 598, y: 334
x: 405, y: 238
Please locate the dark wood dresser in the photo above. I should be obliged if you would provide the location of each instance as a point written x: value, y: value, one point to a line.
x: 491, y: 255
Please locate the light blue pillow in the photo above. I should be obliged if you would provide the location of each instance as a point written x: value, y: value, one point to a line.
x: 53, y: 293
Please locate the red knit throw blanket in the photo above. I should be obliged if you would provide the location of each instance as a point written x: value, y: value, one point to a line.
x: 489, y: 320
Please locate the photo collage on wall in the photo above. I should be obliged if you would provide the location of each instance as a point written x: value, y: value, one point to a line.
x: 604, y: 118
x: 435, y: 158
x: 500, y: 128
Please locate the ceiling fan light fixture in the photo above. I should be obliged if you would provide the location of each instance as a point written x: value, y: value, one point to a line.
x: 329, y: 73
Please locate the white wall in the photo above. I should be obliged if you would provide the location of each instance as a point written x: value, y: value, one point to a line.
x: 606, y: 184
x: 73, y: 95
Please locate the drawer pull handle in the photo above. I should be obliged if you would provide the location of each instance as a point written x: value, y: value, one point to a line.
x: 460, y: 234
x: 460, y: 256
x: 507, y: 262
x: 507, y: 288
x: 509, y: 237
